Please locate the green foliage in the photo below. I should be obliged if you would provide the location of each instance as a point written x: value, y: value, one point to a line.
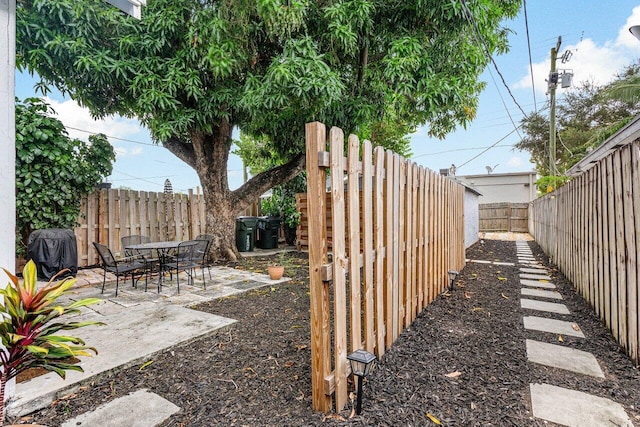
x: 282, y: 203
x: 31, y: 326
x: 268, y: 66
x: 52, y: 170
x: 586, y: 116
x: 549, y: 183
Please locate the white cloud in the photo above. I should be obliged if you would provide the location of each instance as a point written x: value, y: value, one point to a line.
x: 590, y: 61
x: 127, y: 152
x: 515, y: 162
x: 75, y: 116
x: 625, y: 39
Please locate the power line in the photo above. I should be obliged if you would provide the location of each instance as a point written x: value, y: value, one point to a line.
x: 460, y: 149
x: 115, y: 137
x: 488, y: 148
x: 474, y: 24
x: 533, y: 84
x: 505, y: 105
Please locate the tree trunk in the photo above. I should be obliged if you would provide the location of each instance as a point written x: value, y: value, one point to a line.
x: 208, y: 154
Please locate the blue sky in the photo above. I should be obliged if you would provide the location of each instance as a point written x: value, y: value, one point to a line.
x: 595, y: 31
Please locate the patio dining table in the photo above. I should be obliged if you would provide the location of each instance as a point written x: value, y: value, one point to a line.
x: 162, y: 248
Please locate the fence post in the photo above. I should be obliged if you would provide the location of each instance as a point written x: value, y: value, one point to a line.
x: 319, y: 289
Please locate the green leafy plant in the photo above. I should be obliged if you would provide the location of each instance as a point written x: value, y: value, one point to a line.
x: 30, y: 326
x: 53, y: 171
x: 549, y: 183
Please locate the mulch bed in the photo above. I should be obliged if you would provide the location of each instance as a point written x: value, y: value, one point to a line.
x: 462, y: 362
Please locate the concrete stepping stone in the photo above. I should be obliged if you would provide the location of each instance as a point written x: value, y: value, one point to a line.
x: 524, y: 252
x: 533, y: 270
x: 575, y: 408
x: 504, y: 263
x: 558, y: 356
x: 139, y: 409
x: 526, y: 258
x: 553, y: 326
x: 540, y: 293
x: 535, y: 276
x: 537, y: 284
x: 551, y: 307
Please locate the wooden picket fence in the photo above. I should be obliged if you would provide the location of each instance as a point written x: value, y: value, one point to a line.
x: 396, y: 230
x: 590, y: 229
x: 504, y: 217
x: 107, y: 215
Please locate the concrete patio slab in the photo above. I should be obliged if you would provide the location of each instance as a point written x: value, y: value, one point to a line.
x: 164, y: 325
x: 535, y: 276
x: 569, y: 359
x: 139, y: 409
x: 537, y: 284
x: 551, y: 307
x: 553, y: 326
x: 575, y: 408
x: 540, y: 293
x: 533, y: 270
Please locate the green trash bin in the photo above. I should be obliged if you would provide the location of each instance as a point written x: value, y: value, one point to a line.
x: 245, y: 229
x: 268, y: 227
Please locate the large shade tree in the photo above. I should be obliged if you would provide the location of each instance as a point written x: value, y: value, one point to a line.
x: 192, y: 70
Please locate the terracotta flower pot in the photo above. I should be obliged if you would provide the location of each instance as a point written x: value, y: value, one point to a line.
x: 276, y: 271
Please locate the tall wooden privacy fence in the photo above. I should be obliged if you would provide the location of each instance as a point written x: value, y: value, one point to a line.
x: 504, y: 217
x: 396, y: 229
x: 107, y: 215
x: 590, y: 229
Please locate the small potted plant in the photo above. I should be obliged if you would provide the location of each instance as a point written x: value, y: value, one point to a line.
x: 276, y: 271
x: 30, y: 322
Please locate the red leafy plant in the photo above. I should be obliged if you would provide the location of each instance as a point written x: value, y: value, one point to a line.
x: 30, y: 326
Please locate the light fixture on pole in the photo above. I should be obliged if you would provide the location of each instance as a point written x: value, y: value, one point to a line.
x: 635, y: 30
x: 361, y: 362
x: 453, y: 274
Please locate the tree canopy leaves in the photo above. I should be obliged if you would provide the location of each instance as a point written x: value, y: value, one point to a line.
x: 267, y: 66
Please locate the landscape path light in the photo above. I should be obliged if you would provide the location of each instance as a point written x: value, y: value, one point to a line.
x: 361, y: 362
x: 453, y: 274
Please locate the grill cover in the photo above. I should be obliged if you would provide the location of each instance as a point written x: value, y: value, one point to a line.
x: 52, y: 250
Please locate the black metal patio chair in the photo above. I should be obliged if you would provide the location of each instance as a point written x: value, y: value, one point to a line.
x: 202, y: 257
x: 133, y: 239
x: 183, y: 258
x: 122, y: 267
x: 149, y: 256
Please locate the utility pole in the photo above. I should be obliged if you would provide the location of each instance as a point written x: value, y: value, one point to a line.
x: 553, y: 83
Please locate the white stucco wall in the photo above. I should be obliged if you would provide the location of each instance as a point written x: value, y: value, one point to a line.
x: 506, y: 187
x: 7, y: 138
x: 471, y: 217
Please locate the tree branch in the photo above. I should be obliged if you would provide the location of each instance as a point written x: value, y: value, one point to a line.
x: 256, y: 186
x: 183, y: 150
